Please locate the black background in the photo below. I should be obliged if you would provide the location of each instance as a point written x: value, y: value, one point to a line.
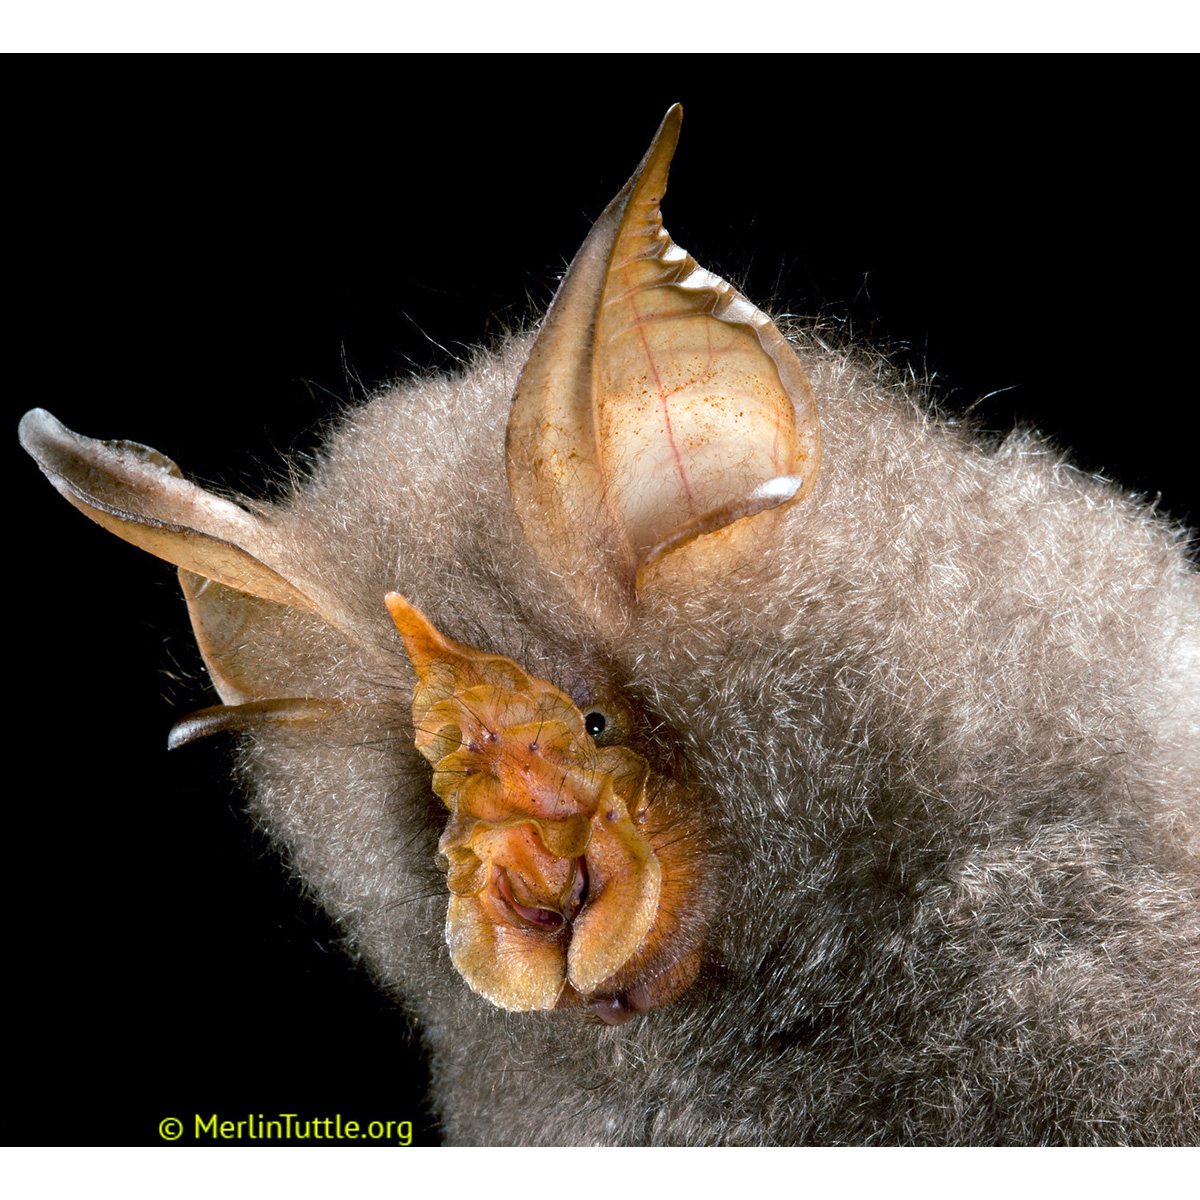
x: 209, y: 253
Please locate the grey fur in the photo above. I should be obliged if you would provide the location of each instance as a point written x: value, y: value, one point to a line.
x: 948, y: 734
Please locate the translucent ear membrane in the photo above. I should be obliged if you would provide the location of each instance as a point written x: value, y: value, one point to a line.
x: 660, y: 413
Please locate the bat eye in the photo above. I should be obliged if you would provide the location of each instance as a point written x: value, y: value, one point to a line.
x: 608, y: 719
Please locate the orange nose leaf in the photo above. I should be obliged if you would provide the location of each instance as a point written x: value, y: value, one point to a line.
x: 548, y: 874
x: 516, y: 968
x: 625, y: 879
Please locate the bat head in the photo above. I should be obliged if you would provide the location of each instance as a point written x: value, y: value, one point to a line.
x: 659, y: 430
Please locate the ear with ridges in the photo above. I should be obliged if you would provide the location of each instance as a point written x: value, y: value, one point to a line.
x: 661, y: 419
x: 241, y: 598
x: 141, y: 496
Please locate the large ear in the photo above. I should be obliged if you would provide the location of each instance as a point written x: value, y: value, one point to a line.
x: 661, y: 422
x: 231, y: 569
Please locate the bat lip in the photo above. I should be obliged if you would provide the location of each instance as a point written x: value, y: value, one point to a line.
x: 623, y: 1007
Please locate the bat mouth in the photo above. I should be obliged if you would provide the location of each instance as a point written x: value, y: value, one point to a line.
x: 554, y: 910
x: 616, y: 1009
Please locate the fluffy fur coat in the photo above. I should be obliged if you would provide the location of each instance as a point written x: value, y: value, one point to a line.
x: 943, y: 728
x: 947, y: 732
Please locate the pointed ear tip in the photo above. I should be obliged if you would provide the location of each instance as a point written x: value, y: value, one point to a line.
x: 398, y: 606
x: 36, y: 426
x: 415, y: 627
x: 667, y: 137
x: 36, y: 416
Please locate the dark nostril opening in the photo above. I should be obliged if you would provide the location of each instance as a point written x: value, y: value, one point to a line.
x: 578, y: 892
x: 543, y: 918
x: 546, y: 919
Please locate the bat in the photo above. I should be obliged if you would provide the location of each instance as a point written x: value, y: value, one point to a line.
x: 682, y: 1129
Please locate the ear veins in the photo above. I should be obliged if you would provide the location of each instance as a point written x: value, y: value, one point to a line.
x: 655, y: 416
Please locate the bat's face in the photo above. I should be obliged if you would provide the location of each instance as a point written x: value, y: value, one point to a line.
x: 661, y: 430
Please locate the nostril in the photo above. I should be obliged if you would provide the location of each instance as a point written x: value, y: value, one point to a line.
x: 547, y: 919
x: 543, y: 918
x: 578, y: 893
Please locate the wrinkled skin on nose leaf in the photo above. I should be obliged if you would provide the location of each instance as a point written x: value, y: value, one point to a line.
x: 556, y: 885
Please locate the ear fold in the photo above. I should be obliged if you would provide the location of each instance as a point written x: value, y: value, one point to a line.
x: 248, y: 643
x: 141, y: 496
x: 237, y: 586
x: 660, y: 417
